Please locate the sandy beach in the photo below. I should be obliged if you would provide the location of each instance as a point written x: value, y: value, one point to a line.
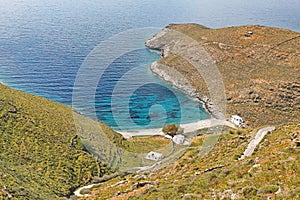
x: 190, y: 127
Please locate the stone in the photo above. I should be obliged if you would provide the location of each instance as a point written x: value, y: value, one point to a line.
x: 142, y: 184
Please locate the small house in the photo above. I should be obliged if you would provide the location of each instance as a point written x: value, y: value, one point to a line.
x: 237, y: 120
x: 154, y: 156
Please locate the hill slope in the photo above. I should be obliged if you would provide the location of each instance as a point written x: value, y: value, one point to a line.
x: 45, y: 154
x: 260, y: 67
x: 40, y: 155
x: 272, y: 171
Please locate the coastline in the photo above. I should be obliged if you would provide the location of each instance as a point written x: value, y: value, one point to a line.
x: 161, y: 42
x: 188, y: 128
x: 206, y: 103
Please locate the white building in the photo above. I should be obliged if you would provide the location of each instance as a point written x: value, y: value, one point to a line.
x: 237, y: 120
x: 180, y: 140
x: 154, y: 156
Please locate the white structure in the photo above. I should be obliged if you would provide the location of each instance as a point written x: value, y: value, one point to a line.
x: 154, y: 156
x: 237, y: 120
x: 180, y: 140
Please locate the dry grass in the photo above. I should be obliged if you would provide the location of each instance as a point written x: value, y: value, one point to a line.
x: 261, y: 76
x: 260, y: 73
x: 275, y: 164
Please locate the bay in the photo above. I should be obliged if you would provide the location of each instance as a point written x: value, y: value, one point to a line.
x: 43, y: 44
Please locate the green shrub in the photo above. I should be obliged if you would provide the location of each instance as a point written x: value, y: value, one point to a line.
x: 249, y: 191
x: 85, y: 191
x: 171, y: 129
x: 268, y: 189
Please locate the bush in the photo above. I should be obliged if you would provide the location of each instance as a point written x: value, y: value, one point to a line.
x: 269, y: 189
x: 85, y: 191
x: 171, y: 129
x: 249, y: 191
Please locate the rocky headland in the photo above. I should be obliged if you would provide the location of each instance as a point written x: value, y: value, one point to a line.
x: 259, y: 68
x: 252, y: 71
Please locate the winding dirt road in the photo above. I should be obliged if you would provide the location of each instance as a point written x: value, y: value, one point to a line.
x: 256, y: 140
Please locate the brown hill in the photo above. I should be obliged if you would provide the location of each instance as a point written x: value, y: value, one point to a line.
x: 260, y: 68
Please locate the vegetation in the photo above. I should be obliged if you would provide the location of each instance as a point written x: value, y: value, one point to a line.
x: 43, y: 153
x: 260, y: 72
x: 261, y: 76
x: 147, y: 144
x: 271, y: 171
x: 171, y: 129
x: 40, y: 157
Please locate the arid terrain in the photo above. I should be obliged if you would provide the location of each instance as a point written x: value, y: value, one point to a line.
x: 260, y: 71
x: 45, y: 155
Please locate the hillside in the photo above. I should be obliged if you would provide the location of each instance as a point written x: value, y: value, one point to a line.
x: 260, y: 70
x: 272, y: 171
x: 44, y: 154
x: 38, y: 158
x: 259, y: 67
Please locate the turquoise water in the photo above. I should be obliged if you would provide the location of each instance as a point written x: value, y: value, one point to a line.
x: 43, y: 44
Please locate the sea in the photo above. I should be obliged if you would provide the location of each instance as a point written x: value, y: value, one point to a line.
x: 45, y: 44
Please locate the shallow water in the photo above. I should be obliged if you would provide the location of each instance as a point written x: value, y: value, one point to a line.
x: 43, y: 44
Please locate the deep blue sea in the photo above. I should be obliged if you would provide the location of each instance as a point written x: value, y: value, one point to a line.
x: 43, y: 44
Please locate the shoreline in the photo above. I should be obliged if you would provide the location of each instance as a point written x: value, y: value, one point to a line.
x: 160, y: 43
x: 205, y: 102
x: 217, y: 117
x: 188, y: 128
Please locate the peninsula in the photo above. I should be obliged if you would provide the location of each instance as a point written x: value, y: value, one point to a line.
x: 259, y: 68
x: 251, y: 71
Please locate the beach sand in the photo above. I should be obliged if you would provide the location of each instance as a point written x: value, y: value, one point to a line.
x: 190, y: 127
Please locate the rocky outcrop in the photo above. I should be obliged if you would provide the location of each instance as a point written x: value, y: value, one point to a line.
x: 260, y: 73
x: 173, y: 77
x: 177, y: 80
x: 160, y: 42
x: 173, y: 42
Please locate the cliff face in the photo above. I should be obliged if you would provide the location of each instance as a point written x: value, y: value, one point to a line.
x: 259, y: 67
